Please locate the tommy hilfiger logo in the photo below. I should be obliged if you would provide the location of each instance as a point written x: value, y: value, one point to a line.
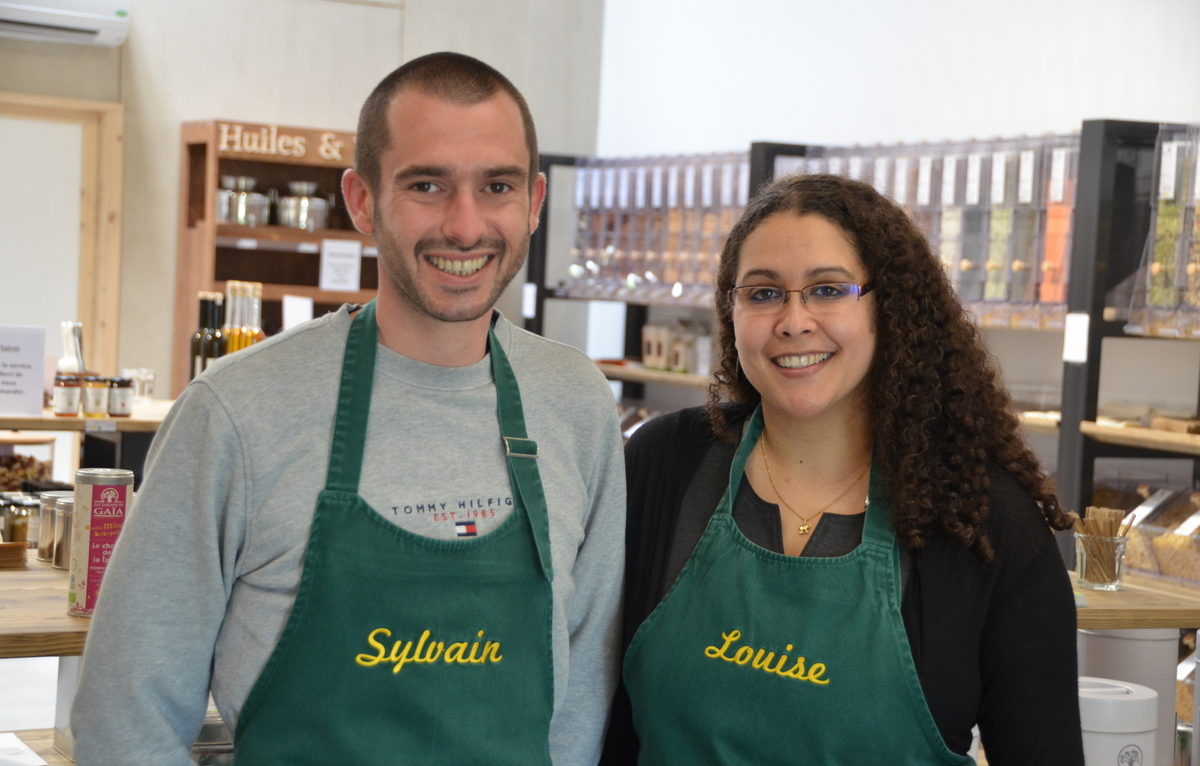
x: 466, y: 529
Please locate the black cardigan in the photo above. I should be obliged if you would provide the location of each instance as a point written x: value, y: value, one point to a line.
x: 994, y: 644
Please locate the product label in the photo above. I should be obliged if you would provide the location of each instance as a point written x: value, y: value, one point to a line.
x: 949, y: 179
x: 66, y: 400
x: 728, y: 184
x: 1058, y: 174
x: 1025, y: 177
x: 974, y: 178
x: 881, y: 174
x: 595, y: 182
x: 999, y: 165
x: 901, y: 186
x: 924, y: 179
x: 673, y: 186
x: 856, y: 168
x: 95, y: 400
x: 623, y: 188
x: 120, y: 400
x: 581, y: 179
x: 1167, y: 169
x: 99, y: 517
x: 656, y: 186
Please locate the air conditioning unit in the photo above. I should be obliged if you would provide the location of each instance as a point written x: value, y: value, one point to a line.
x: 82, y: 22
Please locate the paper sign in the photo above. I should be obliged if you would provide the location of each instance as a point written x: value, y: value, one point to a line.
x: 296, y: 309
x: 14, y: 752
x: 21, y: 357
x: 341, y: 262
x: 1075, y: 338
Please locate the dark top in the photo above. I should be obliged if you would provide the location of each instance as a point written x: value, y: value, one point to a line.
x: 993, y: 644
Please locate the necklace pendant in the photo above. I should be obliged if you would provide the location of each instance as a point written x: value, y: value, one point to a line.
x: 804, y: 529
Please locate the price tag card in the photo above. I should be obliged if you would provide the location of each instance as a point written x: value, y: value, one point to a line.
x: 341, y: 262
x: 296, y: 309
x: 22, y: 352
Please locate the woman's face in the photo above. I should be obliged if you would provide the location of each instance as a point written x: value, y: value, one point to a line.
x: 807, y: 361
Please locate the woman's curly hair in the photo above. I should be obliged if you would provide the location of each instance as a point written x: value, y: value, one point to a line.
x: 938, y: 413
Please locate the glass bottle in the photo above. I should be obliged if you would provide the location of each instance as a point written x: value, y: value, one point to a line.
x: 202, y: 337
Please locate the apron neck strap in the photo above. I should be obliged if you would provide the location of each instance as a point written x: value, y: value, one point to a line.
x: 521, y: 452
x: 354, y: 403
x: 876, y: 527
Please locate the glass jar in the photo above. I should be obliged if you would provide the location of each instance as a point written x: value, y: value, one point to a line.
x: 67, y: 392
x: 120, y: 397
x: 64, y: 510
x: 45, y: 538
x: 95, y: 396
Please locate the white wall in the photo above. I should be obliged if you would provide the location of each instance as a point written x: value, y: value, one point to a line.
x: 705, y: 75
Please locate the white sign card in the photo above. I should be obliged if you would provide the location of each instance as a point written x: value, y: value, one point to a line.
x: 296, y: 309
x: 22, y: 353
x: 341, y: 262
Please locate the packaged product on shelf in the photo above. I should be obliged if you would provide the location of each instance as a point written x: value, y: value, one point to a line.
x: 1000, y: 231
x: 577, y: 269
x: 95, y: 396
x: 67, y: 395
x: 925, y: 210
x: 974, y: 247
x: 1025, y: 250
x: 949, y: 242
x: 120, y: 398
x: 1059, y: 182
x: 635, y: 228
x: 1191, y: 298
x: 675, y: 226
x: 102, y: 497
x: 710, y: 217
x: 689, y: 241
x: 1162, y: 278
x: 656, y: 230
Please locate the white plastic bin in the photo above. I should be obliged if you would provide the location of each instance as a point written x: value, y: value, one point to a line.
x: 1144, y: 656
x: 1119, y: 722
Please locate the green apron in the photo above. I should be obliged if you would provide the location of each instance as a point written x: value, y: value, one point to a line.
x: 403, y: 649
x: 754, y: 657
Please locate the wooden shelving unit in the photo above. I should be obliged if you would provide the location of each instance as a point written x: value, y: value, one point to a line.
x: 1144, y: 438
x: 285, y: 260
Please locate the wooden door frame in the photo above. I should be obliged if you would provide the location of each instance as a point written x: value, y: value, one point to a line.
x: 100, y: 212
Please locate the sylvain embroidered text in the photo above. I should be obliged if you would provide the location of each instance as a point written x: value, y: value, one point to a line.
x: 424, y: 651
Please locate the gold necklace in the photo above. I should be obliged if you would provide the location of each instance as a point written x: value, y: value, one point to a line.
x: 804, y: 527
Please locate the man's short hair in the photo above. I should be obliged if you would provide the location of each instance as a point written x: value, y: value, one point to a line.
x: 453, y: 77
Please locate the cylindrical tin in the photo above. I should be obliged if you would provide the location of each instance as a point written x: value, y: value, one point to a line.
x: 45, y: 539
x: 64, y: 510
x: 102, y: 496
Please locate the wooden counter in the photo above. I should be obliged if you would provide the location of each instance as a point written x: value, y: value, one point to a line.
x: 146, y: 418
x: 33, y: 612
x: 1142, y: 602
x: 41, y: 741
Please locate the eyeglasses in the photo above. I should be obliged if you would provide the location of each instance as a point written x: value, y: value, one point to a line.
x: 820, y: 298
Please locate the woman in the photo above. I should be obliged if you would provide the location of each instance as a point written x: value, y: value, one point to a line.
x: 851, y: 563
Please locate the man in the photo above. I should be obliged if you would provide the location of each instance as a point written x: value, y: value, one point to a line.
x: 450, y: 487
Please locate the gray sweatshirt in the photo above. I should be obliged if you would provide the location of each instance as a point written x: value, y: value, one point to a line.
x: 207, y: 566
